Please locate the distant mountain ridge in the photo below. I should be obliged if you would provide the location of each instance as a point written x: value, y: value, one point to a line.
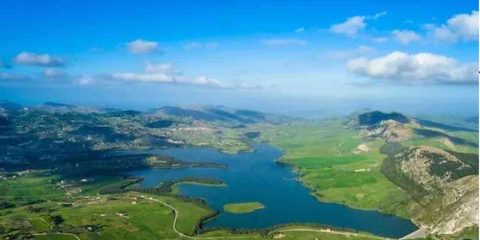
x: 220, y: 113
x: 7, y: 105
x: 205, y: 113
x: 399, y: 127
x: 375, y: 117
x: 55, y: 104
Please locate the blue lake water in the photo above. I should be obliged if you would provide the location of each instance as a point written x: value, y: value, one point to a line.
x: 255, y: 176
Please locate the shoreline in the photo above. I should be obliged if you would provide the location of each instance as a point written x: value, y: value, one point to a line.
x: 279, y: 160
x: 288, y: 163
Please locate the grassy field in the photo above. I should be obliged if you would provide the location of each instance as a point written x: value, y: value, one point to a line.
x: 131, y: 217
x: 441, y: 142
x: 28, y: 187
x: 304, y: 232
x: 326, y: 156
x: 55, y: 236
x: 245, y: 207
x: 117, y: 216
x: 56, y: 211
x: 322, y: 153
x: 468, y: 233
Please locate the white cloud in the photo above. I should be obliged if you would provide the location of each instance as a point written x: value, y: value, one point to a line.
x: 459, y: 27
x: 378, y: 15
x: 164, y: 73
x: 354, y: 25
x: 247, y: 85
x: 201, y: 45
x: 140, y: 46
x: 351, y: 27
x: 406, y: 37
x: 42, y: 60
x: 421, y: 67
x: 280, y: 42
x: 143, y: 77
x: 202, y: 80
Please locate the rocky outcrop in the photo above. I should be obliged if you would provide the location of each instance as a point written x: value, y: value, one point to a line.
x: 444, y: 186
x: 459, y: 206
x: 362, y: 148
x: 432, y: 167
x: 393, y: 127
x: 390, y: 130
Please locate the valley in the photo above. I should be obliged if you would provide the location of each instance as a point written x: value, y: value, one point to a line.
x: 70, y: 172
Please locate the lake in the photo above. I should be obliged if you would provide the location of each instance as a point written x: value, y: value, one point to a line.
x: 255, y: 176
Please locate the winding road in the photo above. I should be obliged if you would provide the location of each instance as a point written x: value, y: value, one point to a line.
x: 175, y: 222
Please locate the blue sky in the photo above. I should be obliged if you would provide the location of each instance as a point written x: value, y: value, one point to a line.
x: 290, y: 56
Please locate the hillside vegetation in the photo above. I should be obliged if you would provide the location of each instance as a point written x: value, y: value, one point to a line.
x: 62, y: 167
x: 421, y: 170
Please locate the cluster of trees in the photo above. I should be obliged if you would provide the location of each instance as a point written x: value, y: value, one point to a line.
x: 5, y: 205
x: 371, y: 118
x: 468, y: 158
x: 56, y: 220
x: 122, y: 186
x: 169, y: 162
x: 166, y: 187
x: 89, y: 228
x: 266, y: 231
x: 391, y: 169
x: 211, y: 181
x: 199, y: 227
x: 392, y: 148
x: 441, y: 166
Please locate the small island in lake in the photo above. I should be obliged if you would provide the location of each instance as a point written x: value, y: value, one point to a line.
x: 246, y: 207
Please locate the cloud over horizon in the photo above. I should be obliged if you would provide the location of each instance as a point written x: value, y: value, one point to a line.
x: 164, y: 73
x: 409, y: 68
